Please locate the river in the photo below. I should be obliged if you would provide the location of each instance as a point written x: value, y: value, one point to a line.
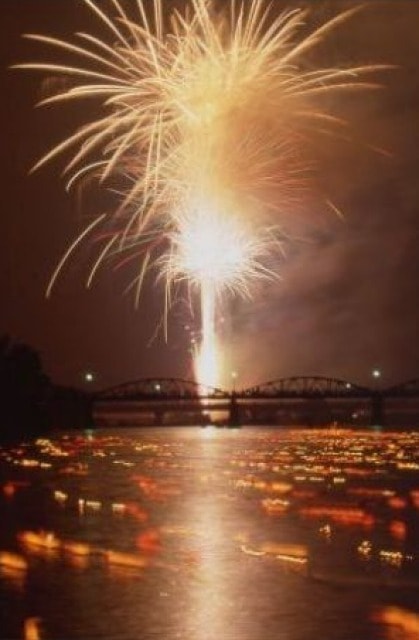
x: 210, y: 534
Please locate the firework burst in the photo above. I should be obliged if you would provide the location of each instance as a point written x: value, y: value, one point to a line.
x: 204, y: 118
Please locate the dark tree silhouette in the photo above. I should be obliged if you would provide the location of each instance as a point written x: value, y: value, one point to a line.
x: 70, y: 408
x: 24, y: 391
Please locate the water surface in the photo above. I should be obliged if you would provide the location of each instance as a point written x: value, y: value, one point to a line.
x: 250, y: 534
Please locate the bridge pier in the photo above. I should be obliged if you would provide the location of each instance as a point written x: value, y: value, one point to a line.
x: 234, y: 413
x: 159, y: 417
x: 377, y: 409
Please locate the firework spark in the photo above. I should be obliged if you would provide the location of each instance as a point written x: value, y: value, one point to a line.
x: 204, y: 119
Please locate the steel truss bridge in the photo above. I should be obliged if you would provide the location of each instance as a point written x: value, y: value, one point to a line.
x: 163, y: 395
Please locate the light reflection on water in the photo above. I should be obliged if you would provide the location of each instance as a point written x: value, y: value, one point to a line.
x: 211, y: 534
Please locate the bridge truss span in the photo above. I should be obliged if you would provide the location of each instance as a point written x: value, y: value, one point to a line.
x: 409, y: 389
x: 161, y: 389
x: 308, y: 387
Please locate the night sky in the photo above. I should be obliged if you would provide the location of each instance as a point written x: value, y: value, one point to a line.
x: 348, y: 298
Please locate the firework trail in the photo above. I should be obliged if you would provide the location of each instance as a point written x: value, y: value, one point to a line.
x: 204, y: 121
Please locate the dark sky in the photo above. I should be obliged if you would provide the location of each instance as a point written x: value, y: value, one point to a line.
x: 348, y: 299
